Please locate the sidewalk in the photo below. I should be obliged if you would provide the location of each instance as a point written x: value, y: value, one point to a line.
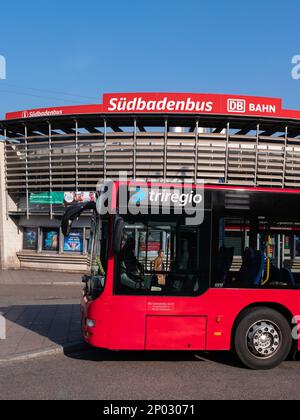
x: 40, y: 320
x: 38, y: 277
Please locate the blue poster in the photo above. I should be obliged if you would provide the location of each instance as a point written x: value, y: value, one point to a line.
x: 51, y: 239
x: 30, y: 238
x: 74, y: 242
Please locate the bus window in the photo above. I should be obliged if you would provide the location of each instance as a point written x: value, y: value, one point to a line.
x: 297, y: 246
x: 99, y: 256
x: 253, y: 253
x: 164, y: 258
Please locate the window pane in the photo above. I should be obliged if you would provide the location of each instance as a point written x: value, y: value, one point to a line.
x: 99, y: 247
x: 30, y: 239
x: 50, y: 239
x: 169, y: 259
x: 253, y: 253
x: 297, y: 246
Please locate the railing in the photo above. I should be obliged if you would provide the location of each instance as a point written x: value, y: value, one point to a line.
x: 77, y: 160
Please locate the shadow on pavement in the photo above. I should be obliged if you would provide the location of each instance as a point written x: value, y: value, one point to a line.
x: 35, y: 327
x: 31, y: 327
x: 102, y: 355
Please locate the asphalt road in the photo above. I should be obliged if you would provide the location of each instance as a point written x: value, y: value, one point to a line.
x: 37, y: 294
x: 134, y: 376
x: 107, y: 375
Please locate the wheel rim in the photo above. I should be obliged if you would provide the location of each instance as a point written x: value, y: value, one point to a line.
x: 264, y: 339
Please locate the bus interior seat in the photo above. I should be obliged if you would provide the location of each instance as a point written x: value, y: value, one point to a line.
x: 224, y: 263
x: 288, y: 277
x: 129, y: 280
x: 259, y: 263
x: 252, y: 267
x: 275, y: 275
x: 184, y: 256
x: 281, y: 277
x: 189, y: 285
x: 177, y: 277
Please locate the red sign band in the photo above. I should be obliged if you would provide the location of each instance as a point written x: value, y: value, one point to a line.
x: 170, y: 103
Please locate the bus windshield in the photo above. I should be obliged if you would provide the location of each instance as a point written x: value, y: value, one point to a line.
x: 162, y: 255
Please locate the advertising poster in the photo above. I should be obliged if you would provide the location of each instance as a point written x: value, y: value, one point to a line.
x: 60, y: 198
x: 74, y: 242
x: 71, y: 198
x: 51, y: 240
x: 47, y: 198
x: 30, y: 239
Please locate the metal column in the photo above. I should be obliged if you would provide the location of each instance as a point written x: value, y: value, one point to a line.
x: 196, y: 151
x: 256, y: 154
x: 5, y: 169
x: 76, y: 158
x: 134, y: 149
x: 105, y: 151
x: 26, y: 173
x: 227, y: 152
x: 50, y: 169
x: 285, y: 154
x: 165, y: 150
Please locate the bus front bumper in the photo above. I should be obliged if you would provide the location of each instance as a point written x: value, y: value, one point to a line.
x: 93, y: 328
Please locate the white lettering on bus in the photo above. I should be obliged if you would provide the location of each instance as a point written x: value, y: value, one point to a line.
x: 176, y: 198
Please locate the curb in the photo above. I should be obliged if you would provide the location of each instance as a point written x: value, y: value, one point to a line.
x: 67, y: 349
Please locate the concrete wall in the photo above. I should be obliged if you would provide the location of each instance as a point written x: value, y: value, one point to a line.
x: 55, y: 262
x: 10, y: 235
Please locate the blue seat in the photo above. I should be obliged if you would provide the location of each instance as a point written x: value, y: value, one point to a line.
x: 288, y: 277
x: 224, y: 263
x: 252, y: 268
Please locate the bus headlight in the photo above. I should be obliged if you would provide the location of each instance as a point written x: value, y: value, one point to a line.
x: 90, y: 323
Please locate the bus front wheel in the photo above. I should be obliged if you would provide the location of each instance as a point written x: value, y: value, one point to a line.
x: 263, y: 338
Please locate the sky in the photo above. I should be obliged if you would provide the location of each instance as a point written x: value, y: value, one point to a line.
x: 71, y: 52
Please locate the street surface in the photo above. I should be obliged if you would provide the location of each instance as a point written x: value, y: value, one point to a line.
x: 43, y: 312
x: 39, y: 317
x: 105, y: 375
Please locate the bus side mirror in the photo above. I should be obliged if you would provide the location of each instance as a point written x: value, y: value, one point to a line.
x: 73, y: 213
x: 118, y: 234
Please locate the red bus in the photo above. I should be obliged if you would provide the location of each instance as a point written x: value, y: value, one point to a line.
x: 227, y: 280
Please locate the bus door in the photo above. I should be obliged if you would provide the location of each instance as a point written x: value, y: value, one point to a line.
x: 276, y: 247
x: 173, y: 321
x: 129, y: 300
x: 276, y: 244
x: 163, y: 267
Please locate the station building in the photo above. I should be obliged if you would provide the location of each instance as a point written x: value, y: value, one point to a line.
x: 53, y: 157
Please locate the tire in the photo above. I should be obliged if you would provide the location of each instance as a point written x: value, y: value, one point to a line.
x: 262, y: 339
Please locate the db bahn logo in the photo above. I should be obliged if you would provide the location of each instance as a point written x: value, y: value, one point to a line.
x: 236, y: 105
